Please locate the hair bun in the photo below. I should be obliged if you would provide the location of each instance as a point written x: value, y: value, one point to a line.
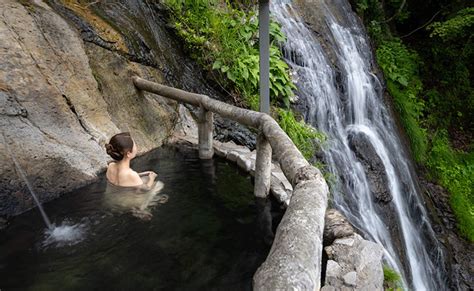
x: 111, y: 151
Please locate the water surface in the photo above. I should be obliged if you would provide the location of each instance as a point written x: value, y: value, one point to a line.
x: 204, y: 237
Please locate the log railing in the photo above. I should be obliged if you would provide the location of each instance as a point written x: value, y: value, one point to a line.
x: 294, y: 261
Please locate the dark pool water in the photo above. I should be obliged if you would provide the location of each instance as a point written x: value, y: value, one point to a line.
x: 205, y: 237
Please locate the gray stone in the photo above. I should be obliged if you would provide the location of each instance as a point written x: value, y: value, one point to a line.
x: 377, y: 178
x: 220, y: 151
x: 350, y: 278
x: 333, y: 274
x: 344, y: 241
x: 244, y: 162
x: 232, y: 156
x: 335, y: 226
x: 359, y: 260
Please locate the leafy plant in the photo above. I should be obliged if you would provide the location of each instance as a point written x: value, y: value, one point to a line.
x: 459, y: 25
x: 400, y: 67
x: 225, y: 40
x: 304, y: 136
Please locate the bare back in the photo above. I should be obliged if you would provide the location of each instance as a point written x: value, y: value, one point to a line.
x: 122, y: 177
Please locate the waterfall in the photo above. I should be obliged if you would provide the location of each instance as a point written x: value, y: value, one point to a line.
x: 344, y: 99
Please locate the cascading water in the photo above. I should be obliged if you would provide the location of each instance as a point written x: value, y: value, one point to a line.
x: 351, y: 110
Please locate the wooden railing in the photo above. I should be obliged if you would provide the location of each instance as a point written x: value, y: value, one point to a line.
x: 294, y: 261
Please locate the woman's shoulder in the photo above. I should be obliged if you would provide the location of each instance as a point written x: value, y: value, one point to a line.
x: 131, y: 177
x: 111, y: 163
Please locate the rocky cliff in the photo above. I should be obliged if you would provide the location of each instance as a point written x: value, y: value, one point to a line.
x: 65, y: 89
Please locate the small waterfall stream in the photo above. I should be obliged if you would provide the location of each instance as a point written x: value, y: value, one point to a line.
x: 344, y: 99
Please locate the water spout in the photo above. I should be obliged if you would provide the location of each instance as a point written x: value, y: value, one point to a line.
x: 28, y: 184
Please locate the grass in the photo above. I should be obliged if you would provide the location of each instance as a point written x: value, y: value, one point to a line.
x: 455, y: 172
x: 391, y: 279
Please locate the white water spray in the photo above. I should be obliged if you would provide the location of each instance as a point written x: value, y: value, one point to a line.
x: 66, y: 233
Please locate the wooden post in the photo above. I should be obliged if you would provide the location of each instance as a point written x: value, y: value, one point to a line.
x: 205, y: 126
x: 263, y: 167
x: 264, y: 50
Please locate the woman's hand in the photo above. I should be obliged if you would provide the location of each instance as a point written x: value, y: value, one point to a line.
x: 146, y: 173
x: 152, y: 175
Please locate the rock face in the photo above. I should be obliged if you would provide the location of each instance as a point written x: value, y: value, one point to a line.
x: 374, y: 167
x: 353, y: 263
x: 60, y: 101
x: 460, y: 261
x: 65, y: 89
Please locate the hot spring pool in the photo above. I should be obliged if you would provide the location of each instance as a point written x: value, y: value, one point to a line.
x: 204, y: 238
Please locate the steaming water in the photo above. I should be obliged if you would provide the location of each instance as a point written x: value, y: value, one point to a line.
x: 354, y: 107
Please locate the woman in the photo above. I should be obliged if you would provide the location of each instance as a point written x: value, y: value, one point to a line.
x: 123, y: 149
x: 128, y: 190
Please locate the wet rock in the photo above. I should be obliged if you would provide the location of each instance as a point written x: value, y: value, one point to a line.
x: 228, y: 130
x: 460, y: 253
x: 374, y: 167
x: 3, y: 223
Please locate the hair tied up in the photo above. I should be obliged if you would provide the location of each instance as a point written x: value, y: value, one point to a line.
x: 111, y: 151
x: 109, y: 147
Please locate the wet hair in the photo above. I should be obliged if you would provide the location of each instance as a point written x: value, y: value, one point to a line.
x: 119, y: 145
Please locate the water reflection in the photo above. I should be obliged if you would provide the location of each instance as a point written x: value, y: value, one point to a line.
x: 134, y: 200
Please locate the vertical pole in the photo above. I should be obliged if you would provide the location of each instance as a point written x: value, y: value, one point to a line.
x: 264, y: 45
x: 205, y: 126
x: 263, y: 167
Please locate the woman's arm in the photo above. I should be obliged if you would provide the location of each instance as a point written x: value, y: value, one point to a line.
x: 151, y: 179
x: 146, y: 173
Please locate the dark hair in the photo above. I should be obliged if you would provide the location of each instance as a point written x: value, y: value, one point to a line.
x: 119, y: 145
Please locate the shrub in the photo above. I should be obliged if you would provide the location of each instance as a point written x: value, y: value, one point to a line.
x: 304, y: 136
x: 400, y: 67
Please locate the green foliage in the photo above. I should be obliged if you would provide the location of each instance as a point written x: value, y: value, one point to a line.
x: 304, y: 136
x: 225, y: 40
x: 449, y: 64
x: 392, y: 280
x: 455, y: 171
x: 459, y: 25
x: 371, y: 11
x: 400, y: 67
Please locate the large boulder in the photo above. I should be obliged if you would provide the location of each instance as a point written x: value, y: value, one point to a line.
x: 54, y: 114
x: 374, y: 167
